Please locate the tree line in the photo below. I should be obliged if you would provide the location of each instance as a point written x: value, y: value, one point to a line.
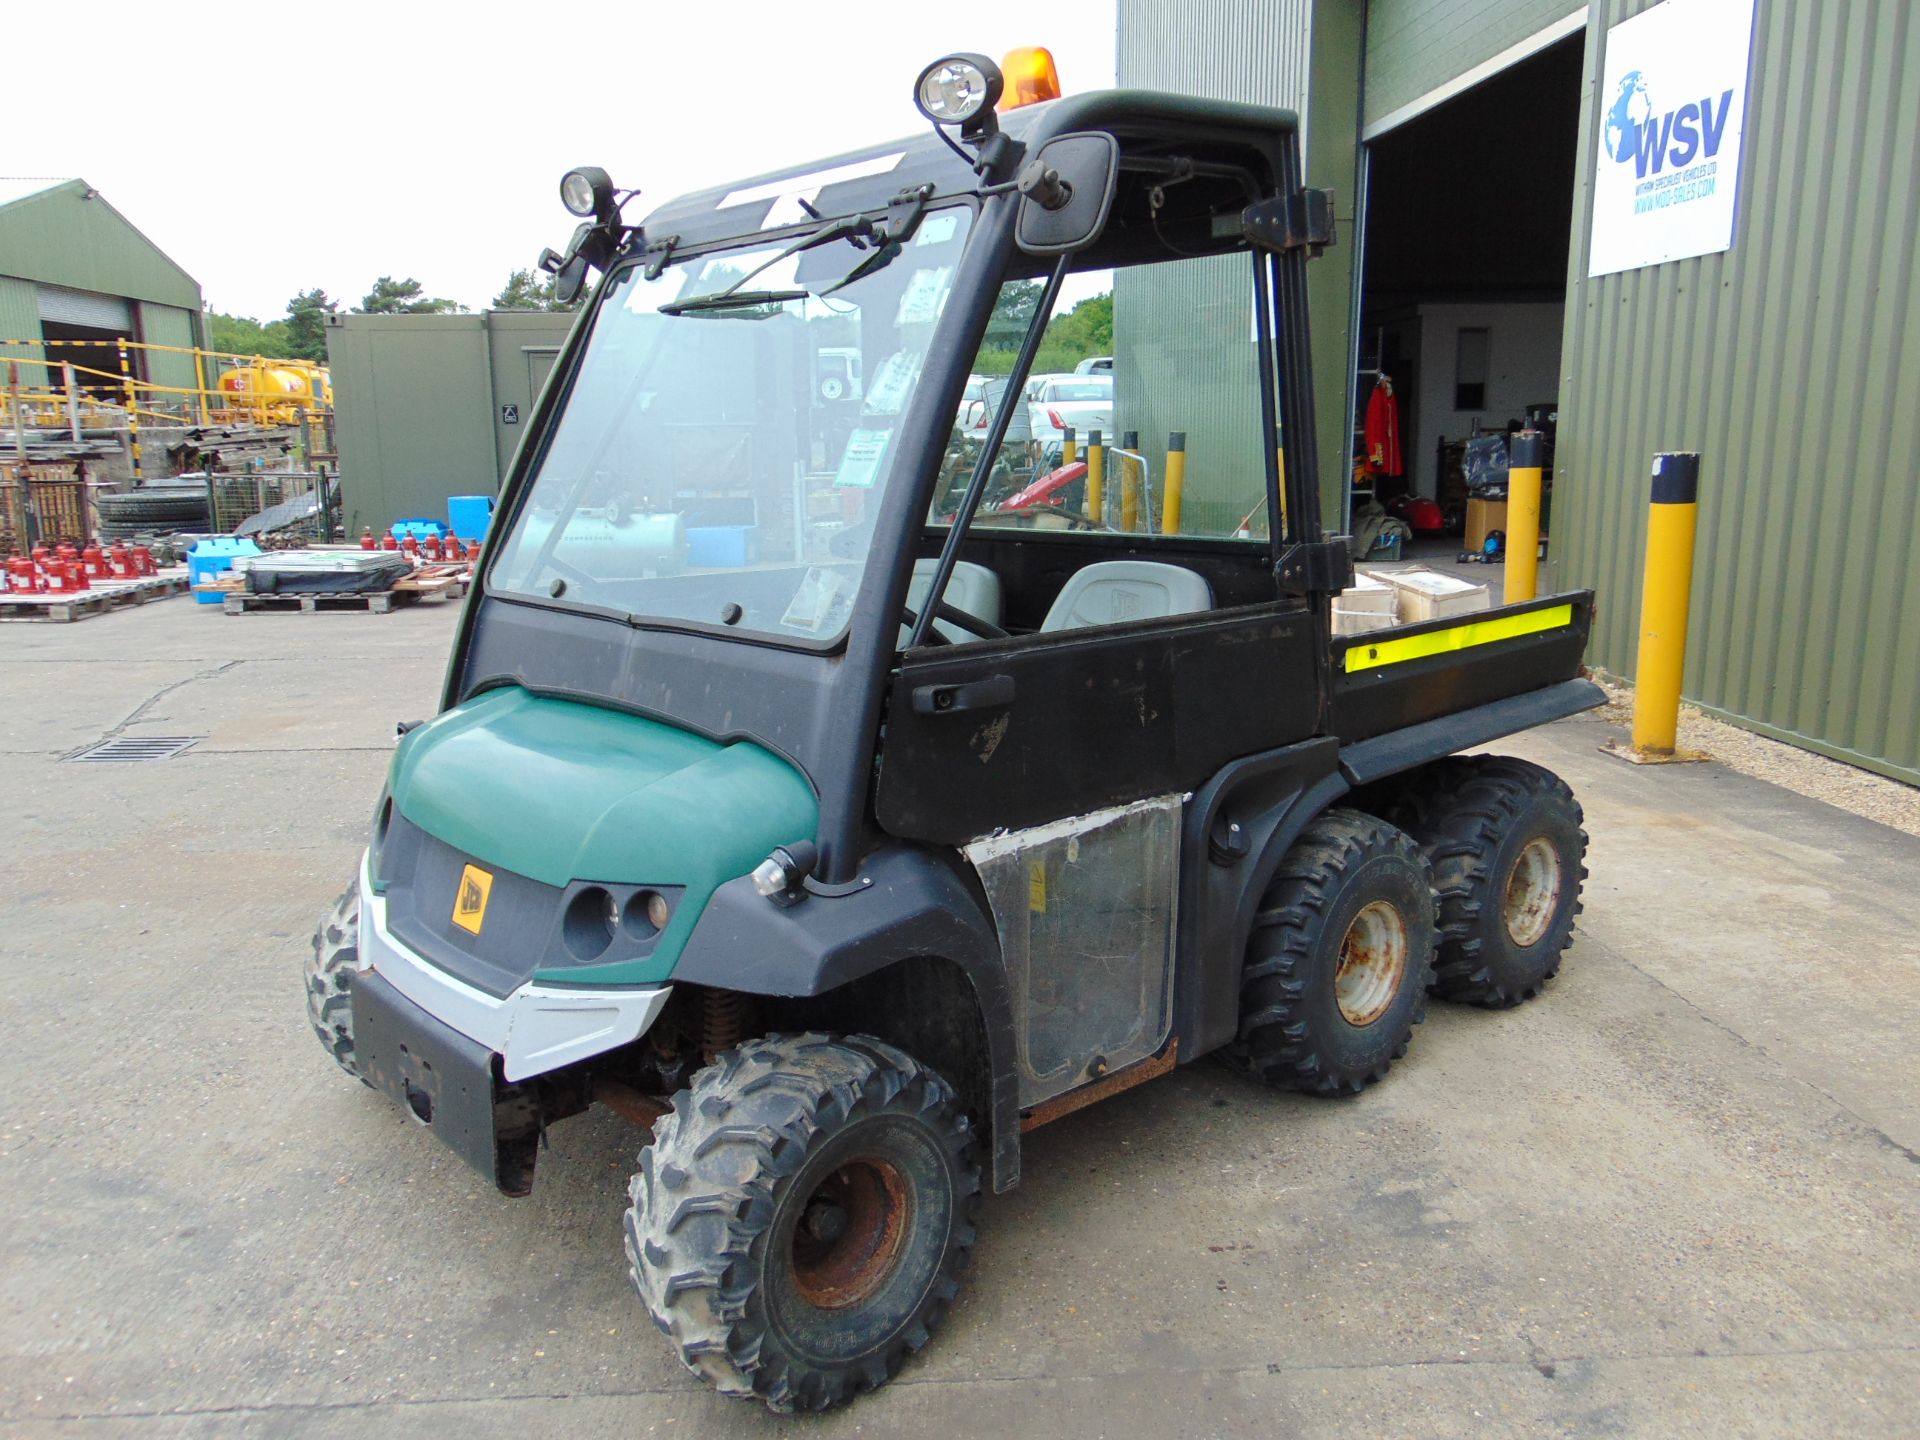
x: 302, y: 333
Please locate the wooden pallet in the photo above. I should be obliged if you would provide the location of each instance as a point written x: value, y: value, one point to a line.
x: 408, y: 591
x: 97, y: 599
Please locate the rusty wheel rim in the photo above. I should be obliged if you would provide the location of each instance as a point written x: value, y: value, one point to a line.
x: 851, y: 1231
x: 1533, y: 892
x: 1373, y: 962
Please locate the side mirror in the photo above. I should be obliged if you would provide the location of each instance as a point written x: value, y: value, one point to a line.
x: 1067, y: 190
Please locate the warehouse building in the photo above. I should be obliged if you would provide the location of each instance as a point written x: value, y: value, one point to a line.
x: 73, y: 269
x: 1684, y: 226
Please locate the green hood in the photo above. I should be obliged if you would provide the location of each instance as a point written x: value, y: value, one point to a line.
x: 560, y: 791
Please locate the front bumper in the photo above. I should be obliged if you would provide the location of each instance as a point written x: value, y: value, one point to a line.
x: 534, y: 1029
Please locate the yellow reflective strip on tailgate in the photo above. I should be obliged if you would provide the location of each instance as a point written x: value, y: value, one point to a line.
x: 1370, y: 655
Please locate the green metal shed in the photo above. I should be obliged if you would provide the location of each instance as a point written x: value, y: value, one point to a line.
x: 430, y: 406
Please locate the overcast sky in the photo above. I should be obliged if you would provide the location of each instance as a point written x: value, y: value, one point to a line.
x: 272, y: 147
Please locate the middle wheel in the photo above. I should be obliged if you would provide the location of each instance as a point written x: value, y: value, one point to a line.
x: 1337, y: 966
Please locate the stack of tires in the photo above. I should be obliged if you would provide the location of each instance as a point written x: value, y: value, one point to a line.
x: 155, y: 510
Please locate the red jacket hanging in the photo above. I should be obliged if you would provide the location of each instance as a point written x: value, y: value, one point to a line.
x: 1383, y: 430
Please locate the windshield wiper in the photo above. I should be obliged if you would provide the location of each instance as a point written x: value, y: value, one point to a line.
x: 732, y: 300
x: 904, y: 214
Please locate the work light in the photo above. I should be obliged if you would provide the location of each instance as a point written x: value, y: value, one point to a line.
x: 587, y: 191
x: 956, y: 88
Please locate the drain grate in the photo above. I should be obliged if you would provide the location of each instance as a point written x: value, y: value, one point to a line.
x: 126, y: 749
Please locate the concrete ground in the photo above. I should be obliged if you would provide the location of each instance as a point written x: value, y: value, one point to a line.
x: 1680, y: 1194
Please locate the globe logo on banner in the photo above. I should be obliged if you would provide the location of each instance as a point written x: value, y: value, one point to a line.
x: 1631, y: 109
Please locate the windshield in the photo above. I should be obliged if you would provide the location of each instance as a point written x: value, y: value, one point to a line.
x: 721, y: 461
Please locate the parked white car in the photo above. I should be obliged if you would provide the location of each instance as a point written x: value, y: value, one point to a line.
x: 1095, y: 365
x: 1079, y: 402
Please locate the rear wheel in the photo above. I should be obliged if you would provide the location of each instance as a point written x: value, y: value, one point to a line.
x: 329, y: 973
x: 1337, y: 965
x: 801, y: 1220
x: 1507, y: 848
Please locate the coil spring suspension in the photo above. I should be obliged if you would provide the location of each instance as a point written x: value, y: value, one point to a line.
x: 724, y: 1023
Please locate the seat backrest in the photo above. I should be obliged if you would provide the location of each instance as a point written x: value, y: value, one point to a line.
x: 1117, y: 590
x: 972, y: 588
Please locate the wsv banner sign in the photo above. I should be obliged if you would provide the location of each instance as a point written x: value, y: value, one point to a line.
x: 1667, y: 162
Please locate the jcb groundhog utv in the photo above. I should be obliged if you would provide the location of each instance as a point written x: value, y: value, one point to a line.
x: 800, y: 797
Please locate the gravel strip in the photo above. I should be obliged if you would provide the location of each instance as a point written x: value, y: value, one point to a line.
x: 1845, y: 786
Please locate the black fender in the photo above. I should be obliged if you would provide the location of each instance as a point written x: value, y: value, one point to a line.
x: 1403, y: 749
x: 905, y: 903
x: 1239, y: 826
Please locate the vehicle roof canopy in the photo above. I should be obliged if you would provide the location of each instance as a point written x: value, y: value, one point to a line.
x: 1147, y: 123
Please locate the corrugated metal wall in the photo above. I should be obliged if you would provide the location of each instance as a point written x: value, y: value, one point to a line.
x: 1792, y: 362
x: 20, y: 320
x: 167, y: 325
x: 1414, y: 46
x: 1267, y: 52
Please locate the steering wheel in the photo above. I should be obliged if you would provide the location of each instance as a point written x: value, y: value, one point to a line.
x: 972, y: 624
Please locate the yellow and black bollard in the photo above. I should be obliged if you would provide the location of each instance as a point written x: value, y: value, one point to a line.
x: 1129, y: 482
x: 1069, y: 450
x: 1096, y: 478
x: 133, y: 413
x: 1176, y: 483
x: 1523, y: 516
x: 1664, y: 596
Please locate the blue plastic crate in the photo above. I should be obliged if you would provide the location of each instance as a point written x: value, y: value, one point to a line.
x: 215, y: 556
x: 719, y: 547
x: 470, y: 515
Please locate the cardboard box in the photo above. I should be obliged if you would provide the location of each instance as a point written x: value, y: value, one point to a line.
x: 1483, y: 518
x: 1430, y: 595
x: 1369, y: 593
x: 1361, y: 622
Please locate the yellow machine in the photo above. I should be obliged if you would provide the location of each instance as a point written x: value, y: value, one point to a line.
x: 277, y: 392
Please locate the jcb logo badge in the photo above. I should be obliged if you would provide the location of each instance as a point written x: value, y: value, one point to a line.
x: 470, y: 904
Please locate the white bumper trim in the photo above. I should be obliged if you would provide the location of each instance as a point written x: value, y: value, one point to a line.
x: 535, y: 1029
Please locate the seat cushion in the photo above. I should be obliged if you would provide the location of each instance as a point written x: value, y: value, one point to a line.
x: 1115, y: 591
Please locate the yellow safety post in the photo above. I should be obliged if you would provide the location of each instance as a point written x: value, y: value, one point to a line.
x: 1069, y: 450
x: 133, y: 412
x: 1671, y: 520
x: 1129, y: 482
x: 1176, y: 482
x: 1523, y: 516
x: 1096, y: 478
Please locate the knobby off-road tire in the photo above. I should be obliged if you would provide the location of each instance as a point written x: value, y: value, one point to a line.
x: 330, y: 970
x: 1505, y: 841
x: 1337, y: 965
x: 801, y: 1220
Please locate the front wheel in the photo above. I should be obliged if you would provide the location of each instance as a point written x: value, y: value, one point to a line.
x: 801, y: 1220
x: 329, y: 976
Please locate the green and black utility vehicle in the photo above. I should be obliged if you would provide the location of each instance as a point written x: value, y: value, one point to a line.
x: 839, y: 780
